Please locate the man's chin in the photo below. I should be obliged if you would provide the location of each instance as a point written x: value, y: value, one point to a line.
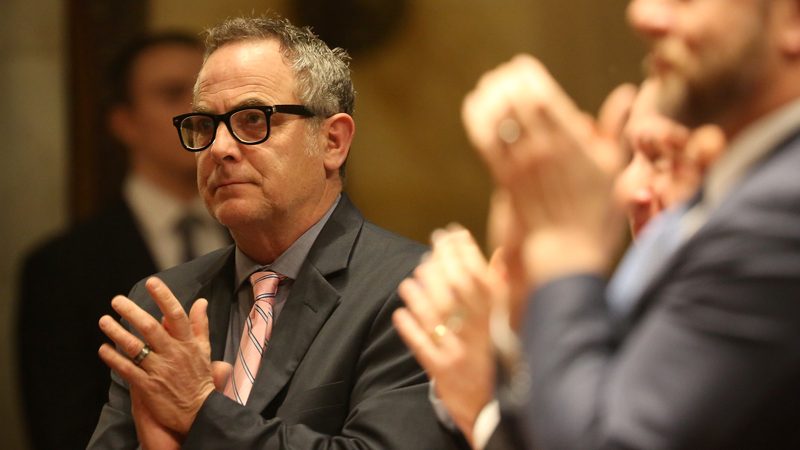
x: 233, y: 212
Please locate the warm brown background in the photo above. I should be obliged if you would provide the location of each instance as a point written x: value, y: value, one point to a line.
x: 410, y: 169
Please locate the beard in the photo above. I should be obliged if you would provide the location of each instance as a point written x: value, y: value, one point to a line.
x: 699, y: 89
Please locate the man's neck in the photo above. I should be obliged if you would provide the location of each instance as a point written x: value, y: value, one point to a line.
x: 772, y: 95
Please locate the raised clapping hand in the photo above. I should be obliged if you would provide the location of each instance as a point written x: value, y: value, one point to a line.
x: 170, y: 383
x: 446, y: 322
x: 555, y: 162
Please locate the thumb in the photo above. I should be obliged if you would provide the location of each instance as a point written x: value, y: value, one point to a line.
x: 611, y: 122
x: 615, y: 110
x: 220, y: 373
x: 497, y: 264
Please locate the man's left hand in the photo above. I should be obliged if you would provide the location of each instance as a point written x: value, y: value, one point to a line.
x: 175, y: 378
x: 446, y: 323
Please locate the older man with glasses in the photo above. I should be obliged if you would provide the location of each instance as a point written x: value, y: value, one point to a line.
x: 296, y: 317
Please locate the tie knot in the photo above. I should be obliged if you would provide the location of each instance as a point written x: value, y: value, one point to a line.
x: 265, y: 284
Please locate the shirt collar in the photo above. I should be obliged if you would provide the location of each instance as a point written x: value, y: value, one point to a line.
x: 291, y: 260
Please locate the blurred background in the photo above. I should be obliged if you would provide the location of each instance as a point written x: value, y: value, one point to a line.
x: 410, y: 168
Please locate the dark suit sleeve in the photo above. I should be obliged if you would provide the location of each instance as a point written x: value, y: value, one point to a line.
x: 388, y: 407
x: 719, y: 341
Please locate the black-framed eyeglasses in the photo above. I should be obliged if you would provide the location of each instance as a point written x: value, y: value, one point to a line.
x: 248, y: 125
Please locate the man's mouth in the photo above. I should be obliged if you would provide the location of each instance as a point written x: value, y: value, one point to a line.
x: 229, y: 184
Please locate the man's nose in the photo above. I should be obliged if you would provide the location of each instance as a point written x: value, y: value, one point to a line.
x: 225, y: 147
x: 651, y: 18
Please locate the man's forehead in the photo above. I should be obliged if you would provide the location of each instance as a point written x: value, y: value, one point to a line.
x: 244, y: 70
x: 249, y: 53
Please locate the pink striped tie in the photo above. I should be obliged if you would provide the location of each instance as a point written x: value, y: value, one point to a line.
x: 255, y: 336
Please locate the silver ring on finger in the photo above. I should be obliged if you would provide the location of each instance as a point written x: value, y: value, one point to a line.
x: 143, y: 353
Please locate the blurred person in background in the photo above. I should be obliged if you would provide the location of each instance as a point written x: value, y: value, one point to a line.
x: 159, y: 222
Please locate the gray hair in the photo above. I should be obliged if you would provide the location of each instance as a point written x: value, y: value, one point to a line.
x: 322, y: 74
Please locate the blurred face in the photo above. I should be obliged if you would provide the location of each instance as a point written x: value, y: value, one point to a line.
x: 640, y: 187
x: 708, y: 54
x: 647, y: 184
x: 278, y: 181
x: 160, y: 87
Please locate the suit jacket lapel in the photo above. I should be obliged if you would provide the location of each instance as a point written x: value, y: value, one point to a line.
x: 312, y: 300
x: 220, y: 291
x: 215, y: 284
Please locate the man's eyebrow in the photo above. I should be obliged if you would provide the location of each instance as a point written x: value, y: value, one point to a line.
x: 244, y: 103
x: 251, y: 102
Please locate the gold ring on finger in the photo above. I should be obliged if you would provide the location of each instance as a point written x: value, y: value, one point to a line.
x: 439, y: 331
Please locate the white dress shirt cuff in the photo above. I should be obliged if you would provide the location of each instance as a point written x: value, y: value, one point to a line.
x: 485, y: 424
x: 439, y: 408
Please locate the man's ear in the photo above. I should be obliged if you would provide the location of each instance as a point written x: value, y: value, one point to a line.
x: 120, y: 124
x: 339, y: 130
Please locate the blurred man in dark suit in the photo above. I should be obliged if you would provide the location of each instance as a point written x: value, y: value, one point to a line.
x: 695, y: 340
x: 666, y: 162
x: 159, y: 223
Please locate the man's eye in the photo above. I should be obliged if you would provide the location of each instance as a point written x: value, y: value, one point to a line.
x: 250, y: 118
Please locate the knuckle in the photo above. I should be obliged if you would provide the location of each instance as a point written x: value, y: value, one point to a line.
x: 149, y: 326
x: 132, y: 346
x: 175, y: 312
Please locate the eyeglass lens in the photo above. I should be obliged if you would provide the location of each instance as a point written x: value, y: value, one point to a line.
x: 248, y: 125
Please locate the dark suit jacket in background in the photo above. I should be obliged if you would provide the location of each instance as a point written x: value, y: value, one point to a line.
x: 66, y: 286
x: 710, y: 358
x: 336, y: 374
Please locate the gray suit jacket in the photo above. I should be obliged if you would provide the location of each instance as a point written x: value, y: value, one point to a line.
x: 710, y: 357
x: 336, y: 375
